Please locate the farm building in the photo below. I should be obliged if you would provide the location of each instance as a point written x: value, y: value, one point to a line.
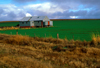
x: 35, y: 21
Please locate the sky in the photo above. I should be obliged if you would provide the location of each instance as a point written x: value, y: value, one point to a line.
x: 15, y: 10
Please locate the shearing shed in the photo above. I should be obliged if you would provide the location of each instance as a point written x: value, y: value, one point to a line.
x: 35, y: 21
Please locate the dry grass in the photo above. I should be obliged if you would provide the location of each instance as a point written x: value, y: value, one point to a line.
x: 23, y: 62
x: 25, y: 28
x: 18, y: 39
x: 9, y: 28
x: 18, y: 51
x: 96, y: 39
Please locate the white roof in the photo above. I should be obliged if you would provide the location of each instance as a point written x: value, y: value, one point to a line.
x: 33, y: 18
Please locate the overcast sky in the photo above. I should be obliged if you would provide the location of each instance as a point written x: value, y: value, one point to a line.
x: 54, y: 9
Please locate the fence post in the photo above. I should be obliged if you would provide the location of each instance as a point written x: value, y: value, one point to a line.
x: 17, y: 32
x: 45, y: 35
x: 57, y: 36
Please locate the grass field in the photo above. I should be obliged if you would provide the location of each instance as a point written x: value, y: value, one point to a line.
x: 70, y: 29
x: 8, y: 23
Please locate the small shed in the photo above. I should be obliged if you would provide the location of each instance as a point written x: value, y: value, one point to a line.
x: 35, y: 21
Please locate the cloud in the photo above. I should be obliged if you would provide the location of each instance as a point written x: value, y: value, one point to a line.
x: 73, y: 17
x: 64, y: 3
x: 11, y: 16
x: 44, y: 7
x: 10, y: 12
x: 1, y: 11
x: 80, y: 14
x: 23, y: 1
x: 28, y: 15
x: 54, y: 9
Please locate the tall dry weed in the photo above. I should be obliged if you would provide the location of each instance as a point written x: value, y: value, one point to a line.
x: 95, y: 39
x: 18, y: 39
x: 9, y: 28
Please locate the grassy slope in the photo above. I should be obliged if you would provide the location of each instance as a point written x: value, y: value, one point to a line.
x: 24, y: 52
x: 80, y: 29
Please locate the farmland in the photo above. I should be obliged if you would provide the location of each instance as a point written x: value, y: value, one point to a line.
x: 70, y: 29
x: 9, y: 23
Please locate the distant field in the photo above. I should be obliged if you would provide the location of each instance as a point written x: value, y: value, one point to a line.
x: 70, y: 29
x: 8, y: 23
x: 72, y: 19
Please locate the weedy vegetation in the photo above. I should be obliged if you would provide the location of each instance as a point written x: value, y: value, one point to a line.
x: 17, y: 51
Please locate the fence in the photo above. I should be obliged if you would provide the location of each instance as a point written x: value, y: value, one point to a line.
x: 44, y: 35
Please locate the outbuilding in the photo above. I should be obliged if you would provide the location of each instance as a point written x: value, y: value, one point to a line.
x: 35, y: 21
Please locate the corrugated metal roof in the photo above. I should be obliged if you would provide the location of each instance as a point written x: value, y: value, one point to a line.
x: 35, y: 18
x: 26, y: 19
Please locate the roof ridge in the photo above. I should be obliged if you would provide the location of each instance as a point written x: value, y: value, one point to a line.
x: 33, y: 18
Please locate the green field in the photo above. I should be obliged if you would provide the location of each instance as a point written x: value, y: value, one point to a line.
x: 9, y: 24
x: 77, y: 29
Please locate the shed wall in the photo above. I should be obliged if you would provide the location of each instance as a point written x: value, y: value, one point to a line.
x: 46, y: 23
x: 51, y: 23
x: 37, y: 23
x: 46, y: 19
x: 24, y: 23
x: 32, y: 23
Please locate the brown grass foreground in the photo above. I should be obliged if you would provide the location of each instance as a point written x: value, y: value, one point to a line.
x: 18, y: 51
